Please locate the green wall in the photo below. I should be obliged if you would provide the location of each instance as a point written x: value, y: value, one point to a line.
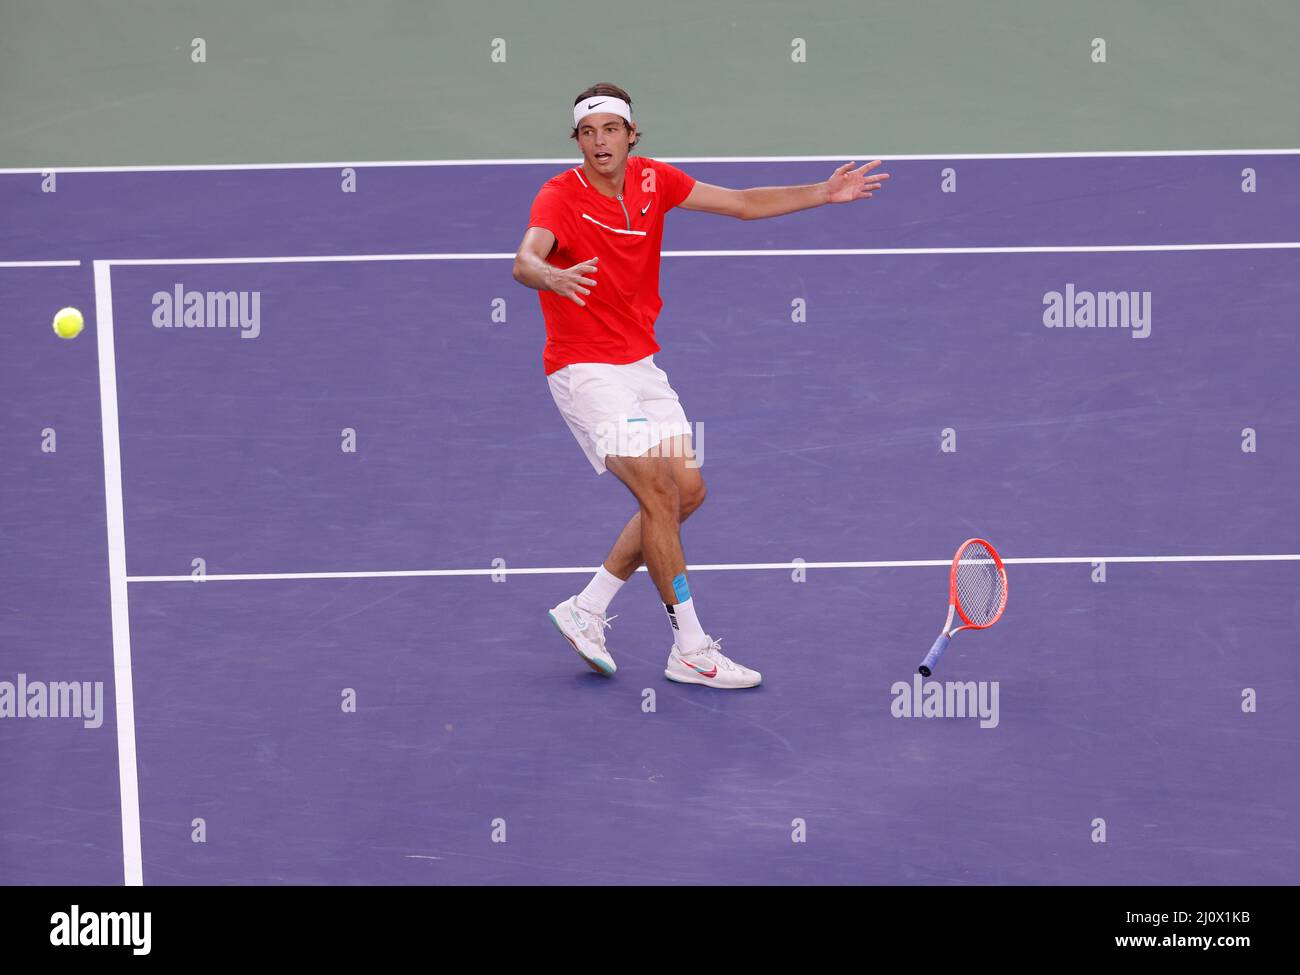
x: 113, y: 83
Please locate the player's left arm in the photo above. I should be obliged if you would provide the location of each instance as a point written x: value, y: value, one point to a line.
x: 845, y: 185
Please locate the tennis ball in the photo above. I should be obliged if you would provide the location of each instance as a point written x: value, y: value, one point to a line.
x: 68, y: 323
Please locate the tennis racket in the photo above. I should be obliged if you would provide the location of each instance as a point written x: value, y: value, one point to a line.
x: 977, y: 594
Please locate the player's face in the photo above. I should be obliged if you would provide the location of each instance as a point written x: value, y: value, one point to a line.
x: 604, y: 139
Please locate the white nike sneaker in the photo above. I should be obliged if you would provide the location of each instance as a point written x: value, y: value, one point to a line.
x: 586, y: 632
x: 710, y: 668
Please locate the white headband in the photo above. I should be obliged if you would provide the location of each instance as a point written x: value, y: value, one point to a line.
x: 601, y: 103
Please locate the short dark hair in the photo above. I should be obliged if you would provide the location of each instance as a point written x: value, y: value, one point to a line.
x: 613, y: 91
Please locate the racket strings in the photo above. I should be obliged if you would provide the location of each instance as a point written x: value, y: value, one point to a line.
x: 981, y: 591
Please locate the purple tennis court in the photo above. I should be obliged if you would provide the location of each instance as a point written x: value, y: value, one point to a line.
x: 333, y: 534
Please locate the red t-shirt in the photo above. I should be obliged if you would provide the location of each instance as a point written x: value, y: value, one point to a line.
x: 617, y: 325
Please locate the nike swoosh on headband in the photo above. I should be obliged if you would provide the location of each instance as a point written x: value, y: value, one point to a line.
x: 594, y: 104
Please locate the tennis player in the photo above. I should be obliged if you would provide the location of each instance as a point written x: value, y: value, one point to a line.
x: 592, y: 250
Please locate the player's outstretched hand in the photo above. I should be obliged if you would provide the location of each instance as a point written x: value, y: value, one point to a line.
x: 845, y: 186
x: 570, y: 282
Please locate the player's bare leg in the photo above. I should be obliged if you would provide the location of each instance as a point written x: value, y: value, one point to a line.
x: 652, y: 481
x: 695, y: 657
x: 626, y: 555
x: 582, y: 619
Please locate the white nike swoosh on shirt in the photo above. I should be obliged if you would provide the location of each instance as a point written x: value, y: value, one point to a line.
x: 634, y: 233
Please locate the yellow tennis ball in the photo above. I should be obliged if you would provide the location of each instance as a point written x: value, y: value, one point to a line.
x: 68, y: 323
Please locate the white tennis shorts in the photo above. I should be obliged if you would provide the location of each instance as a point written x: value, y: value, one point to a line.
x: 620, y: 411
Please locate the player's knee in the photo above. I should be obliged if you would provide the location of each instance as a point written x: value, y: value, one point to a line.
x: 659, y: 495
x: 692, y: 496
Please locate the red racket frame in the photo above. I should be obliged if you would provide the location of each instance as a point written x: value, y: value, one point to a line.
x: 952, y: 584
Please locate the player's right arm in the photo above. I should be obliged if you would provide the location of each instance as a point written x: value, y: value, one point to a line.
x: 532, y: 271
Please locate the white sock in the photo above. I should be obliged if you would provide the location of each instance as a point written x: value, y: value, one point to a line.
x: 687, y: 632
x: 602, y: 589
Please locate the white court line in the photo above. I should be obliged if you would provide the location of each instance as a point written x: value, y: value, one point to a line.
x: 774, y: 252
x: 128, y: 780
x: 570, y: 160
x: 40, y: 264
x: 722, y: 567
